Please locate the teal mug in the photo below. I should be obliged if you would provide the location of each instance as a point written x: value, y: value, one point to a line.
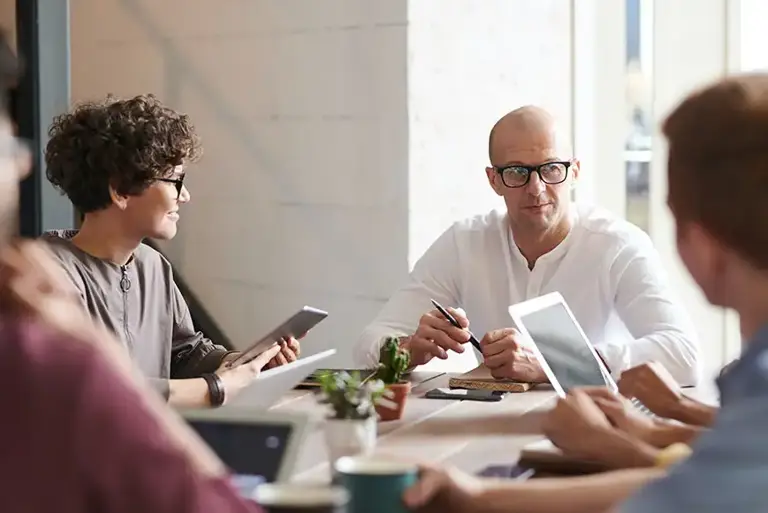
x: 375, y: 484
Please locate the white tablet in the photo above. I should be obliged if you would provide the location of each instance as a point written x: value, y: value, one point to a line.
x: 567, y: 357
x: 272, y: 384
x: 257, y: 446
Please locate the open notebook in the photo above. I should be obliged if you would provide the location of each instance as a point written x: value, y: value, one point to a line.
x: 480, y: 378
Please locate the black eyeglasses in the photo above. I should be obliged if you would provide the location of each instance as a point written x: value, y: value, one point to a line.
x: 178, y: 182
x: 551, y: 173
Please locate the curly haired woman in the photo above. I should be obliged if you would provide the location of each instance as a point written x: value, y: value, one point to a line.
x: 121, y: 163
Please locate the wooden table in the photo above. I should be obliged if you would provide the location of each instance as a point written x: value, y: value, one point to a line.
x: 468, y: 434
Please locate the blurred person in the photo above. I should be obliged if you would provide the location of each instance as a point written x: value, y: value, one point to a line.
x: 636, y: 439
x: 606, y: 269
x: 718, y: 186
x: 122, y: 164
x: 81, y: 432
x: 679, y: 419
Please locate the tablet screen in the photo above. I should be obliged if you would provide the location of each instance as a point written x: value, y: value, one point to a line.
x: 564, y: 348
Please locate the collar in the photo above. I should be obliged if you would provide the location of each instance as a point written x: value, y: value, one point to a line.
x: 753, y: 356
x: 556, y: 253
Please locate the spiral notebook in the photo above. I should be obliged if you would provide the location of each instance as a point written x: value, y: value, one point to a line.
x: 480, y: 378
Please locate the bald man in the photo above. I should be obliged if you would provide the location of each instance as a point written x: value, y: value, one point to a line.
x: 606, y: 268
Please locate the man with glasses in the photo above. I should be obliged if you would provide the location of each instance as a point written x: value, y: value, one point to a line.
x: 606, y: 268
x: 121, y: 163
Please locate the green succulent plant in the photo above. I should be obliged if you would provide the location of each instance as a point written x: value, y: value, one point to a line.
x: 394, y: 362
x: 350, y: 397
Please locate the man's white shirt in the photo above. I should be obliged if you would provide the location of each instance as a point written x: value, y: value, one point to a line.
x: 606, y: 269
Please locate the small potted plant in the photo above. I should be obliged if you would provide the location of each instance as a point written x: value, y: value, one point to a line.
x: 394, y: 363
x: 351, y: 427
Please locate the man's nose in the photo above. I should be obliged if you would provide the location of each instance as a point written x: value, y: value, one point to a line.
x: 535, y: 185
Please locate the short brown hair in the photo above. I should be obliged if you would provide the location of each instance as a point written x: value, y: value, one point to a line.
x: 125, y: 144
x: 718, y: 163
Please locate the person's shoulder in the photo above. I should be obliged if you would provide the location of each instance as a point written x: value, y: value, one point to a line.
x: 748, y: 375
x: 479, y: 223
x: 609, y: 231
x: 59, y: 244
x: 41, y: 357
x: 147, y: 256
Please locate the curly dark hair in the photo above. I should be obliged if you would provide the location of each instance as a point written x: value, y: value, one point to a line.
x: 125, y: 144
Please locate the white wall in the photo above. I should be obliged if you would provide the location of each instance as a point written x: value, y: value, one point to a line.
x: 598, y: 101
x: 341, y: 136
x: 752, y: 36
x: 468, y: 64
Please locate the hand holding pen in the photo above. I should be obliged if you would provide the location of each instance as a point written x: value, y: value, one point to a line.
x: 452, y: 318
x: 436, y: 335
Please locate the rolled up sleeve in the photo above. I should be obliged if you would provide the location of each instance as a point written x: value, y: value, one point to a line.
x: 192, y: 354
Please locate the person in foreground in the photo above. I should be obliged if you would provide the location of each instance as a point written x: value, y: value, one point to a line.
x: 82, y: 432
x: 718, y: 189
x: 121, y: 163
x: 606, y: 268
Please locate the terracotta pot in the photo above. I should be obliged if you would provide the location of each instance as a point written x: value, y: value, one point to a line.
x: 400, y: 393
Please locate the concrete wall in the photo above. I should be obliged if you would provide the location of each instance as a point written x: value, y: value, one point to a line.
x: 340, y: 135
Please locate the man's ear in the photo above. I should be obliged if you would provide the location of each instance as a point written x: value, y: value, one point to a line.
x: 494, y: 179
x: 117, y: 199
x: 575, y: 169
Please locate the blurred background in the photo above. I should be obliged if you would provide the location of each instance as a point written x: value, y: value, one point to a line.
x: 342, y: 136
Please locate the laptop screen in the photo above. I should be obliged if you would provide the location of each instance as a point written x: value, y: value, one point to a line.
x: 564, y: 348
x: 253, y: 452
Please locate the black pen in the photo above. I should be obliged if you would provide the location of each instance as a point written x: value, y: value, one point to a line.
x: 452, y: 320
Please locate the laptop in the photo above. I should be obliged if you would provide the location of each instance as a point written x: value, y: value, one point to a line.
x: 272, y: 384
x: 257, y: 446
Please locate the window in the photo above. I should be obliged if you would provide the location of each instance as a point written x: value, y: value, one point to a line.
x: 639, y: 114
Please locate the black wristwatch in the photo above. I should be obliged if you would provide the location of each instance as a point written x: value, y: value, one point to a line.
x: 216, y: 391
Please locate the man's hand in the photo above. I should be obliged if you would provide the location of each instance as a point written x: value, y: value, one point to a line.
x: 443, y: 491
x: 290, y: 350
x: 435, y: 336
x: 653, y: 386
x: 507, y: 358
x: 237, y: 378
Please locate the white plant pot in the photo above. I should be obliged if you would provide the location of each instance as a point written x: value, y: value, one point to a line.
x: 349, y: 437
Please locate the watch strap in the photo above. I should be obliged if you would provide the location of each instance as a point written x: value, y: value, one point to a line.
x: 216, y: 391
